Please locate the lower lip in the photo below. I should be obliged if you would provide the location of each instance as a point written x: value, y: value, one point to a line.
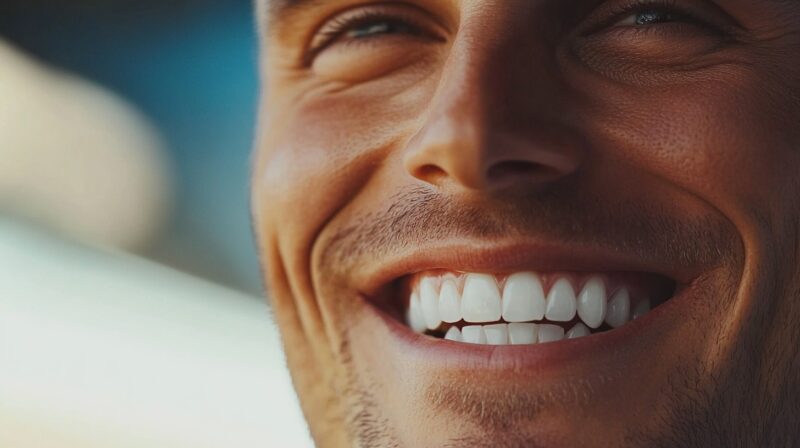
x: 553, y: 355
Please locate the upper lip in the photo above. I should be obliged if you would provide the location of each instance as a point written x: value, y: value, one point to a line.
x: 494, y: 257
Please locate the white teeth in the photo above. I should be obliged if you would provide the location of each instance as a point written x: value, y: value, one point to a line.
x: 550, y: 333
x: 619, y: 308
x: 496, y: 334
x: 523, y: 298
x: 561, y: 306
x: 592, y: 302
x: 480, y: 301
x: 449, y: 302
x: 523, y: 315
x: 522, y: 333
x: 473, y: 334
x: 642, y: 308
x: 578, y: 331
x: 453, y: 334
x: 415, y: 319
x: 429, y: 299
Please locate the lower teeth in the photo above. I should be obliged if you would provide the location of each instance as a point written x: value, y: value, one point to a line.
x: 513, y: 333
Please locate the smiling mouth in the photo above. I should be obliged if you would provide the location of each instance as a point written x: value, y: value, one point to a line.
x: 524, y: 308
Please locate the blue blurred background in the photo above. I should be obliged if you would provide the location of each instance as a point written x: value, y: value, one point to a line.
x: 190, y: 68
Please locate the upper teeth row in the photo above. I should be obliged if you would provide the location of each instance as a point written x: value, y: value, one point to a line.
x: 435, y: 300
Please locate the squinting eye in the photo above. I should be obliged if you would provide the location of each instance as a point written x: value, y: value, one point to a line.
x: 374, y: 25
x: 379, y: 27
x: 652, y: 17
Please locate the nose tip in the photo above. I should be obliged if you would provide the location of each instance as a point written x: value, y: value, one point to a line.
x: 440, y: 155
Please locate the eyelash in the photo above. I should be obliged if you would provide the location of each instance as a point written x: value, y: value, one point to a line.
x: 339, y: 26
x: 632, y: 7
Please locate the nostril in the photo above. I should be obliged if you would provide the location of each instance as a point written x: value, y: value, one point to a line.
x: 430, y: 173
x: 518, y: 170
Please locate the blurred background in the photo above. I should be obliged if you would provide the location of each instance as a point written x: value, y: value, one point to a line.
x: 131, y: 308
x: 172, y: 84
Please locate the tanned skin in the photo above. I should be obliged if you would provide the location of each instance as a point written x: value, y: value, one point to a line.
x: 485, y: 135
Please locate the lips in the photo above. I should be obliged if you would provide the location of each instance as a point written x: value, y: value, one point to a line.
x: 518, y: 295
x: 381, y: 336
x: 527, y: 307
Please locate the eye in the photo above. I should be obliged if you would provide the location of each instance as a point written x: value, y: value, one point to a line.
x: 650, y: 41
x: 676, y: 15
x: 652, y: 17
x: 372, y: 25
x: 378, y: 27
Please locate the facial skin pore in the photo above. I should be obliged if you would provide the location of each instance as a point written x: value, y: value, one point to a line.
x: 496, y: 136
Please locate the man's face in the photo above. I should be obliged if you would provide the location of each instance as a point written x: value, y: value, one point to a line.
x: 466, y: 209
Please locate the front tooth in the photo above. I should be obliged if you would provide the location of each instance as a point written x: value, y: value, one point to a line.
x: 592, y: 302
x: 642, y: 308
x: 429, y: 299
x: 550, y: 333
x: 496, y: 334
x: 473, y: 334
x: 522, y: 333
x: 523, y: 298
x: 415, y: 319
x: 619, y: 308
x: 561, y: 306
x: 578, y: 331
x: 449, y: 302
x: 453, y: 334
x: 480, y: 301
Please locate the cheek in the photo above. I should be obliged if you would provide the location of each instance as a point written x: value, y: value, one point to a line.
x: 331, y: 133
x: 321, y: 154
x: 721, y: 141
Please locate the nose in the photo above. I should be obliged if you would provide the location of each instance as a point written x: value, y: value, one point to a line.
x: 487, y: 131
x: 469, y: 153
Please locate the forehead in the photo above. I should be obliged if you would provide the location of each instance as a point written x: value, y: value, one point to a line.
x: 272, y: 9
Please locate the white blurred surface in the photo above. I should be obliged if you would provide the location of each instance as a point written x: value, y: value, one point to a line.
x: 77, y: 157
x: 105, y: 350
